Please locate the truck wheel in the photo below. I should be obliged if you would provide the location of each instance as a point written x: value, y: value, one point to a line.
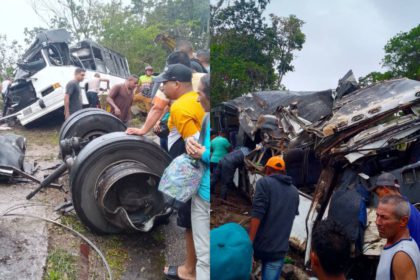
x: 89, y: 124
x: 114, y: 182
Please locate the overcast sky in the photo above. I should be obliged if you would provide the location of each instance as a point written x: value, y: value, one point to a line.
x: 15, y: 16
x: 343, y: 35
x: 18, y: 14
x: 340, y: 35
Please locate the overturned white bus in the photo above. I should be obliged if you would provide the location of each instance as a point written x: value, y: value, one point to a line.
x: 47, y: 66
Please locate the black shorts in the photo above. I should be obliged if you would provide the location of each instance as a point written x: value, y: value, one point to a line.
x: 177, y: 149
x: 184, y: 216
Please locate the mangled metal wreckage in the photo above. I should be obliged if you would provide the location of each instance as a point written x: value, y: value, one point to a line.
x: 113, y: 177
x: 46, y: 67
x: 336, y: 143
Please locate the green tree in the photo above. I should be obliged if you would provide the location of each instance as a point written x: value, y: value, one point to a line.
x: 183, y: 19
x: 402, y: 58
x: 286, y: 37
x: 402, y: 54
x: 374, y: 77
x: 9, y: 55
x: 129, y: 30
x: 121, y: 31
x: 247, y: 53
x: 79, y: 17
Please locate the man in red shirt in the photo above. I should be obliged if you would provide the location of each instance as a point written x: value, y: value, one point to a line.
x: 121, y: 98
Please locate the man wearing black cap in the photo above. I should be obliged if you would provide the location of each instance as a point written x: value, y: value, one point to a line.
x: 387, y: 185
x: 186, y: 115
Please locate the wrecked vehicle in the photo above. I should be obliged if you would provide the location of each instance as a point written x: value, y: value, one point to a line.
x: 12, y: 155
x: 47, y: 66
x: 335, y: 150
x: 13, y: 167
x: 113, y: 176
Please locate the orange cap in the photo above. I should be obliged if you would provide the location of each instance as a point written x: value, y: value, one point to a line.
x: 276, y: 163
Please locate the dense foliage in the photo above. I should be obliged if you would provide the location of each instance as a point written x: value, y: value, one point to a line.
x: 249, y: 53
x: 130, y: 30
x: 402, y: 58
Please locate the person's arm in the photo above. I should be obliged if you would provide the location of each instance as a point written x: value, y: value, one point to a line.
x: 110, y: 100
x: 66, y: 105
x: 403, y: 267
x: 67, y: 93
x: 151, y: 119
x: 194, y: 149
x: 259, y: 208
x: 253, y: 229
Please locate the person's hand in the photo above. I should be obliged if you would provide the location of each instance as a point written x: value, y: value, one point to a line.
x: 156, y: 128
x: 66, y: 115
x: 117, y: 112
x: 193, y: 148
x: 135, y: 131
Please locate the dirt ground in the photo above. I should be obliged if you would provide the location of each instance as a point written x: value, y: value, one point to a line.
x: 33, y: 249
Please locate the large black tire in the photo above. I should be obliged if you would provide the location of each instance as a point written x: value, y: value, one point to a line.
x: 94, y: 159
x: 90, y: 123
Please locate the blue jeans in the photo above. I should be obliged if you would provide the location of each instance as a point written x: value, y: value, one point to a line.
x: 272, y: 270
x: 164, y: 143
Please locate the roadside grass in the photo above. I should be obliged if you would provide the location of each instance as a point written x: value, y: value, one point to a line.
x: 73, y: 222
x: 61, y: 265
x: 116, y: 255
x: 112, y: 246
x: 39, y: 137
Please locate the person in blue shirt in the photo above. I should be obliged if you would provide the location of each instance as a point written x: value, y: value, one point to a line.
x: 200, y: 205
x: 386, y: 185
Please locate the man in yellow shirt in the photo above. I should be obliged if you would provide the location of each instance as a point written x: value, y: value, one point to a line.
x: 186, y: 115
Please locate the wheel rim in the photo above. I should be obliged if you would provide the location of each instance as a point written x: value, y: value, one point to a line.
x: 127, y: 195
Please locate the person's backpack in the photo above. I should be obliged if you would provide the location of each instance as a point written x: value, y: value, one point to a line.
x: 182, y: 178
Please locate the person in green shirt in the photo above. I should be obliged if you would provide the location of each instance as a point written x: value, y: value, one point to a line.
x: 219, y: 146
